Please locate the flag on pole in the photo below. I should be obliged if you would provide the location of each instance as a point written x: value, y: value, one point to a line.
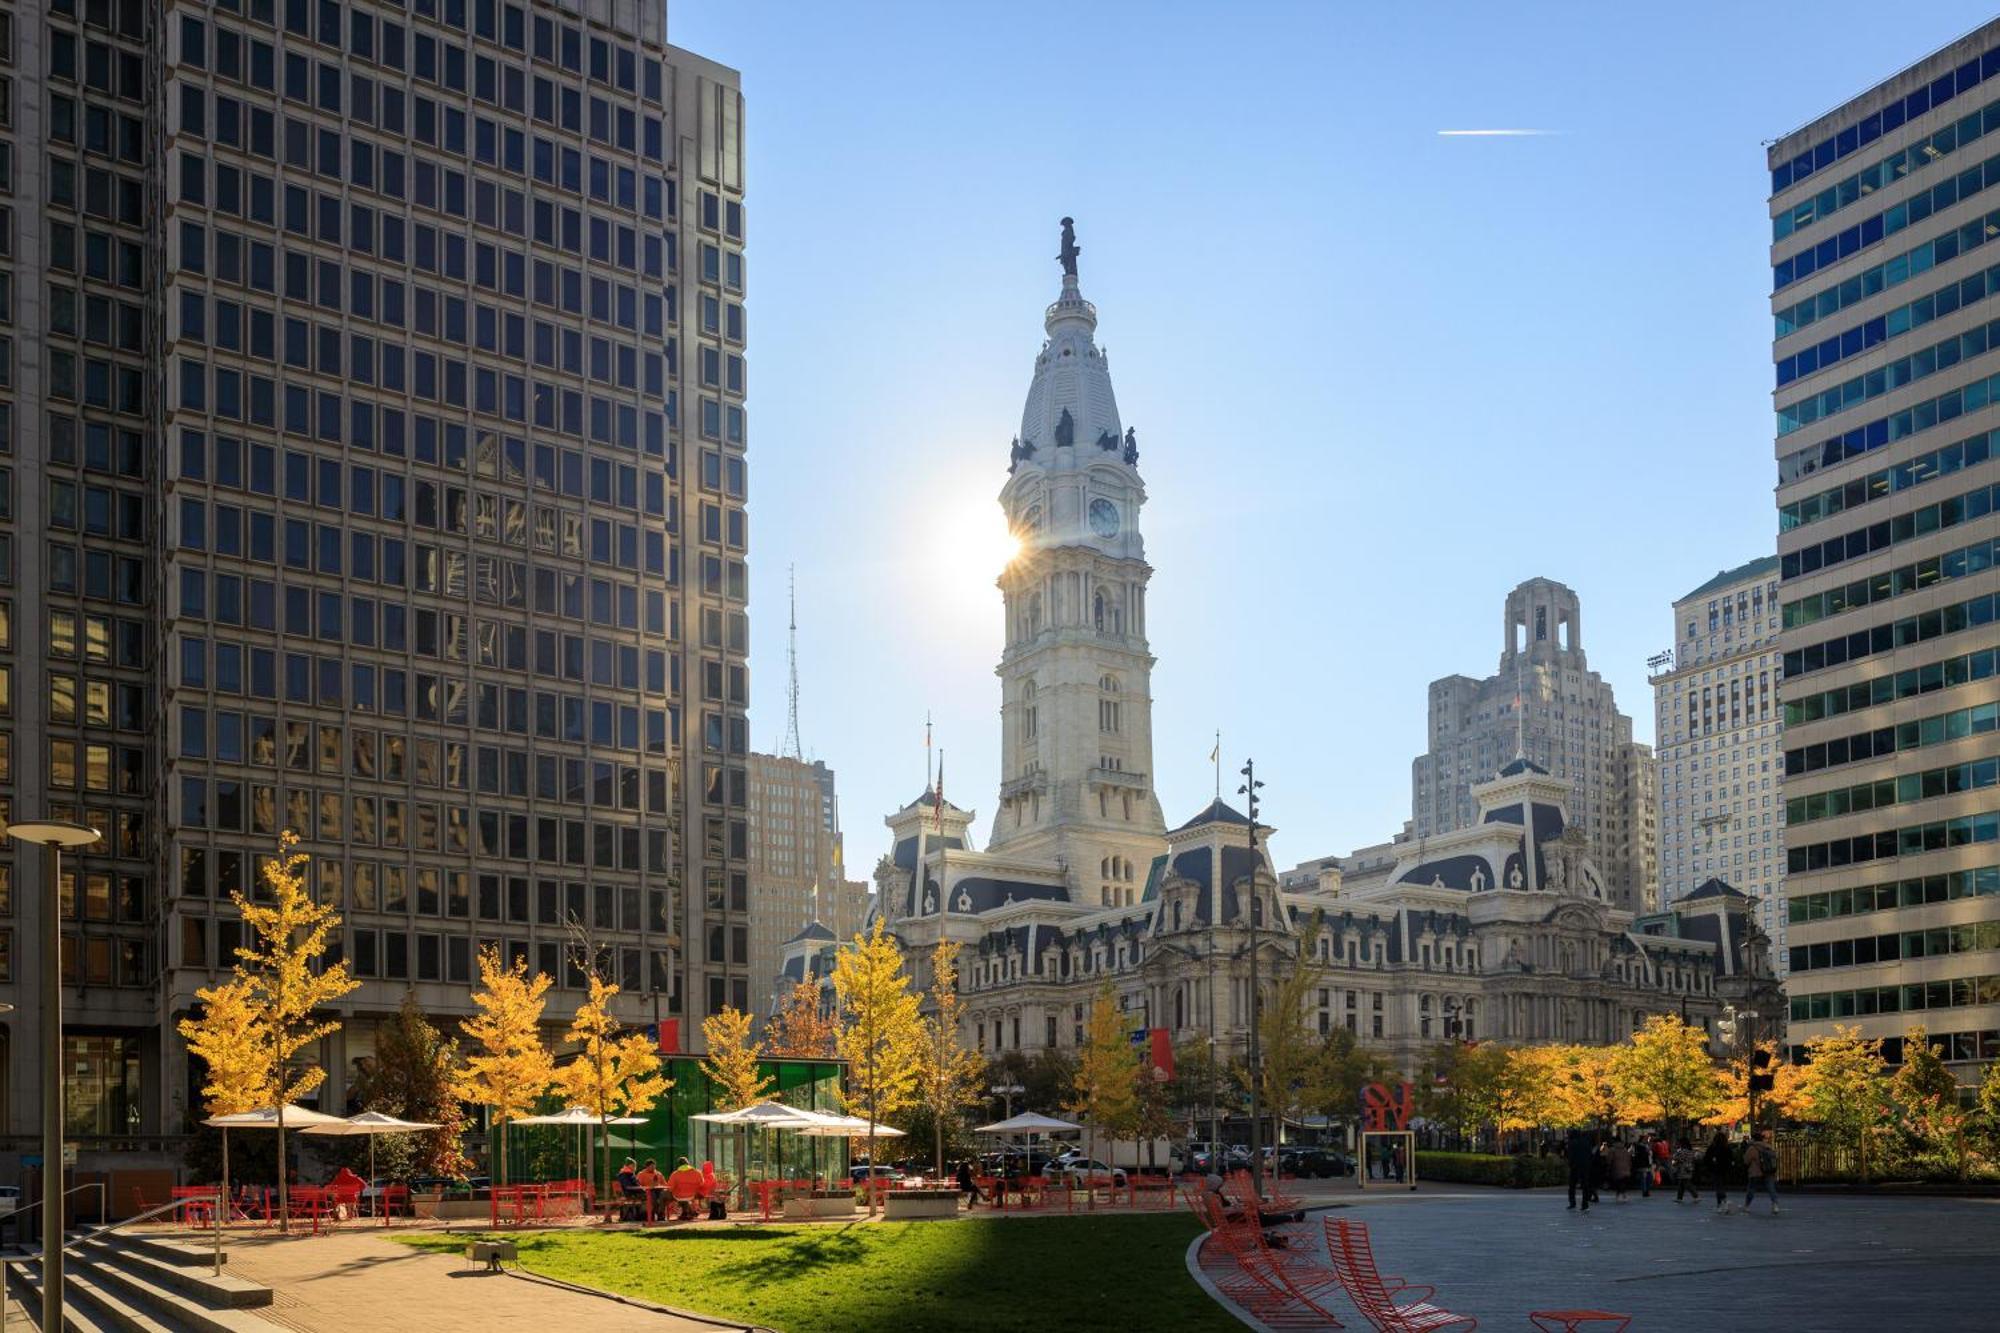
x: 940, y: 792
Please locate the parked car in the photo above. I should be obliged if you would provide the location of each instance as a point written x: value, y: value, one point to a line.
x: 1077, y: 1167
x: 1316, y: 1163
x: 862, y: 1173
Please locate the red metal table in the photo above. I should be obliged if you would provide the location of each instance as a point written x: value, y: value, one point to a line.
x: 1571, y: 1320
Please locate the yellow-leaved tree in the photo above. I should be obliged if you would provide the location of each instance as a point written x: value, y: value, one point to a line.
x: 948, y: 1075
x: 882, y: 1030
x: 734, y: 1062
x: 1105, y: 1092
x: 803, y: 1028
x: 510, y: 1067
x: 229, y: 1037
x: 1665, y: 1073
x: 1844, y: 1088
x: 1582, y: 1084
x: 286, y: 983
x: 615, y: 1072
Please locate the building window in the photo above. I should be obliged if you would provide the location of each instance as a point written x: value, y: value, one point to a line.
x: 101, y: 1088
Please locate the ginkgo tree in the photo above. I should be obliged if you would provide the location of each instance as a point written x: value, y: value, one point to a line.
x: 287, y: 982
x: 881, y: 1031
x: 229, y: 1038
x: 734, y: 1063
x: 509, y: 1066
x: 948, y: 1075
x: 616, y: 1072
x: 1107, y: 1069
x: 1665, y: 1072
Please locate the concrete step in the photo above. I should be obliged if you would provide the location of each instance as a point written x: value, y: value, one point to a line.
x: 24, y: 1283
x: 226, y: 1291
x: 186, y: 1251
x: 138, y: 1283
x: 88, y: 1287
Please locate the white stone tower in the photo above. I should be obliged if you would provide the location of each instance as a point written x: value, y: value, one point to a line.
x: 1076, y: 677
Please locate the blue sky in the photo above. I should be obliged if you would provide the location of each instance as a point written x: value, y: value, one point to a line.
x: 1379, y: 376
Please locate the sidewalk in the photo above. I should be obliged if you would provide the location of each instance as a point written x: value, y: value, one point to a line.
x: 358, y: 1281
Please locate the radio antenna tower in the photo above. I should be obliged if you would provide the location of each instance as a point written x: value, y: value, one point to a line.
x: 792, y: 749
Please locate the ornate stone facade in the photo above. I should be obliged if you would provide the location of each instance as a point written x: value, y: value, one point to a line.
x: 1505, y: 928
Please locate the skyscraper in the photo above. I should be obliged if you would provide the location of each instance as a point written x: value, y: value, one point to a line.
x: 798, y: 864
x: 1544, y: 704
x: 1882, y: 214
x: 1721, y: 760
x: 380, y: 375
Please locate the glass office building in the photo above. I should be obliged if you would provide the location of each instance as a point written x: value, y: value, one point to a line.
x: 372, y: 407
x: 1886, y: 301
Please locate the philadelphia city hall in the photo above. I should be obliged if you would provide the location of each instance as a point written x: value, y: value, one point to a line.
x: 1500, y: 930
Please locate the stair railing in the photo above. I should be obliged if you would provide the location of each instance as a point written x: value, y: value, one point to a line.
x: 177, y: 1205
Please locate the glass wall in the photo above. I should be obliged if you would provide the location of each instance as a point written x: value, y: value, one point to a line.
x: 101, y: 1092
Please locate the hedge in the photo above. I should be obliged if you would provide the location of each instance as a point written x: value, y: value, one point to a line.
x: 1474, y: 1168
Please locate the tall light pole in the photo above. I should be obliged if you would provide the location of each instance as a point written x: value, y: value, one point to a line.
x: 52, y: 836
x: 1249, y: 791
x: 1007, y: 1092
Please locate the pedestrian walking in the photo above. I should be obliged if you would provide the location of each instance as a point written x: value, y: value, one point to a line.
x: 1580, y: 1153
x: 968, y: 1186
x: 1715, y: 1161
x: 1618, y: 1164
x: 1760, y: 1170
x: 1683, y: 1168
x: 1642, y: 1162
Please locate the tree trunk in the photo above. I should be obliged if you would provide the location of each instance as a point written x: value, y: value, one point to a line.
x: 502, y: 1172
x: 284, y: 1194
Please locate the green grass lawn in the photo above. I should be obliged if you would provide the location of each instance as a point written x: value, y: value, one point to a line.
x: 1112, y: 1272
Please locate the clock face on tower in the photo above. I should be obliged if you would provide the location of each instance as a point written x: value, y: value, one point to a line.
x: 1104, y: 518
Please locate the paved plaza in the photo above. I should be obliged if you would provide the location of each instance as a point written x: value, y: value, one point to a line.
x: 1828, y: 1262
x: 359, y: 1281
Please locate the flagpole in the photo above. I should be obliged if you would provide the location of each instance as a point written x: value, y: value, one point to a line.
x: 1215, y: 757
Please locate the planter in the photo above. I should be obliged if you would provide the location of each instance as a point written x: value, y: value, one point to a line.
x: 439, y: 1207
x: 803, y: 1208
x: 909, y: 1205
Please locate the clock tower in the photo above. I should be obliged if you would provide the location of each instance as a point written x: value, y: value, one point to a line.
x: 1076, y: 676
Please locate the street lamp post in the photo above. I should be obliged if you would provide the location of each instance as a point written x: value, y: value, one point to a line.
x: 52, y: 836
x: 1007, y: 1092
x: 1249, y: 791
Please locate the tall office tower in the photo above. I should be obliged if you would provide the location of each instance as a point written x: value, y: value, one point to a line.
x: 379, y: 374
x: 1722, y: 764
x: 798, y: 870
x: 1546, y: 704
x: 1888, y: 413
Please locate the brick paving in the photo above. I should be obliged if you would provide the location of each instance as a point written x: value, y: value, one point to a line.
x: 355, y: 1281
x: 1831, y: 1263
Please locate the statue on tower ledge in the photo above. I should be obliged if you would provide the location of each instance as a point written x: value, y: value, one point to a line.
x: 1070, y: 249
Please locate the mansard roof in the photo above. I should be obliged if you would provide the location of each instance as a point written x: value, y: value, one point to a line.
x: 1522, y: 764
x: 1216, y: 812
x: 813, y: 931
x: 1715, y: 888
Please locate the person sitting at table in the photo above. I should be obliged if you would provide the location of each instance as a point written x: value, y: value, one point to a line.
x: 345, y: 1181
x: 685, y: 1184
x: 628, y: 1189
x: 709, y: 1188
x: 653, y: 1186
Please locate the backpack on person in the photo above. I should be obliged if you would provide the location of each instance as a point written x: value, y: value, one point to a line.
x: 717, y: 1211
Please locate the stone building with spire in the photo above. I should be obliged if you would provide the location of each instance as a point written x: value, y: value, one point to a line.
x: 1504, y: 928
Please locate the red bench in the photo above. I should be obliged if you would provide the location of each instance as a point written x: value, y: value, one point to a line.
x: 1390, y: 1304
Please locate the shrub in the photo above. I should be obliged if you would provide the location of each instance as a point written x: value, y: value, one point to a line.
x: 1474, y: 1168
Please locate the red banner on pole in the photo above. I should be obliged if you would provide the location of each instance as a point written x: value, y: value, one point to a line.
x: 670, y: 1035
x: 1162, y: 1051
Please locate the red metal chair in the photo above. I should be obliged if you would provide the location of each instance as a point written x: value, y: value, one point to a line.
x: 1377, y: 1297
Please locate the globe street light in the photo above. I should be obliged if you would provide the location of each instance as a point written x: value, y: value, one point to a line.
x: 1007, y: 1092
x: 52, y: 836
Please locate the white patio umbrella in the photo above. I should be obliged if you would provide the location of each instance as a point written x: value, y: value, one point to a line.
x: 371, y: 1123
x: 764, y: 1115
x: 578, y: 1116
x: 1029, y: 1123
x: 266, y: 1117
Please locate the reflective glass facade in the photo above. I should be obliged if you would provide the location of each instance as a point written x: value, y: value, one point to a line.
x: 1888, y: 586
x: 388, y: 367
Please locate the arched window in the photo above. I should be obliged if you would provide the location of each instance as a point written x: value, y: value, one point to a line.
x: 1097, y: 611
x: 1108, y: 712
x: 1030, y: 715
